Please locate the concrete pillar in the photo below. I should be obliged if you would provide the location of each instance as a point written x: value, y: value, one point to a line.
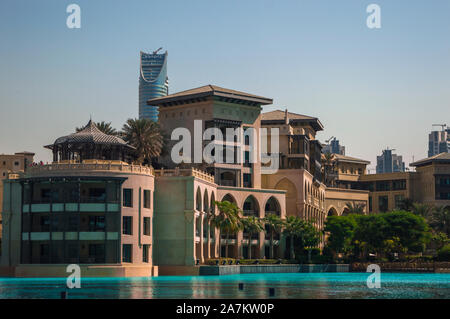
x: 207, y: 253
x: 200, y: 254
x: 189, y: 219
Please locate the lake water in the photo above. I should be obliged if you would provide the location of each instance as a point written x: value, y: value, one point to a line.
x: 291, y: 285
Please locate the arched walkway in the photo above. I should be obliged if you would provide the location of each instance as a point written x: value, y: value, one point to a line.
x: 251, y: 207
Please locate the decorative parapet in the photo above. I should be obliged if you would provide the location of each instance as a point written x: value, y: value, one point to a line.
x: 185, y: 172
x: 91, y: 166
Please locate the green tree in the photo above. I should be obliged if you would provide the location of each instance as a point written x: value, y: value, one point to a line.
x: 228, y: 221
x: 145, y: 136
x: 370, y: 233
x: 275, y: 225
x: 411, y: 229
x: 439, y: 219
x: 439, y: 240
x: 341, y: 230
x: 103, y: 126
x: 252, y: 225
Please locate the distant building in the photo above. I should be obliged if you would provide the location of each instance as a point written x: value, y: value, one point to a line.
x: 439, y: 142
x: 153, y: 82
x: 334, y: 147
x: 389, y: 162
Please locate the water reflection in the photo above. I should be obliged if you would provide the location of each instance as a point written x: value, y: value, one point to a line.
x: 298, y: 285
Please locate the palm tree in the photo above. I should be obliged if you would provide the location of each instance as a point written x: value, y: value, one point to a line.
x: 328, y: 168
x: 145, y: 135
x: 355, y: 208
x: 275, y: 224
x: 293, y: 229
x: 420, y: 209
x: 227, y: 221
x: 252, y: 225
x: 439, y: 219
x: 310, y: 237
x: 103, y: 126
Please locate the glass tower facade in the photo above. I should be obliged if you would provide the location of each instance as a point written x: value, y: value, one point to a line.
x: 153, y: 82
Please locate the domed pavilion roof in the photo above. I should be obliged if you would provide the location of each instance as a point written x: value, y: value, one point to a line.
x: 90, y: 134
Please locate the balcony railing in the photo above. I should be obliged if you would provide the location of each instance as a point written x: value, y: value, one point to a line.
x: 109, y: 166
x: 185, y: 172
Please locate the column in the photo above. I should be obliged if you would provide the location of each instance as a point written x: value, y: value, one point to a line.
x: 189, y: 219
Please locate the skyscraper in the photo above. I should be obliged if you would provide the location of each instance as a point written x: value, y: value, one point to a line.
x: 389, y: 163
x: 334, y: 147
x: 439, y: 141
x: 153, y: 82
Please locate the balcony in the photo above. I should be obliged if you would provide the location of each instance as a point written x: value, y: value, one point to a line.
x: 59, y: 168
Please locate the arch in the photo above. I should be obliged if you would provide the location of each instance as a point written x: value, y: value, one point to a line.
x: 212, y: 204
x: 345, y: 211
x: 332, y: 212
x: 250, y: 206
x: 291, y: 195
x: 272, y: 206
x: 230, y: 198
x: 198, y: 199
x: 205, y: 201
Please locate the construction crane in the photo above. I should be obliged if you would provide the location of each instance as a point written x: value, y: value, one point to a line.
x: 328, y: 141
x: 441, y: 125
x: 154, y: 52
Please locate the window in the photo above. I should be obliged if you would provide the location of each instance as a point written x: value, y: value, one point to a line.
x: 128, y: 197
x: 383, y: 203
x: 127, y: 225
x: 145, y: 249
x: 96, y: 223
x: 147, y: 200
x: 97, y: 194
x: 126, y: 253
x: 398, y: 200
x: 147, y: 227
x: 370, y: 204
x: 16, y: 163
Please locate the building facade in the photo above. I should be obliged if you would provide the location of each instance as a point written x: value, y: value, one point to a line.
x: 87, y: 208
x: 439, y: 142
x: 153, y: 82
x: 10, y: 166
x: 388, y: 162
x: 334, y: 147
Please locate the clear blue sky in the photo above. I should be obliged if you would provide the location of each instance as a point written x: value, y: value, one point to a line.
x: 370, y: 88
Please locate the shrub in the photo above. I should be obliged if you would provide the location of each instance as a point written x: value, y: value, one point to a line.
x: 444, y: 253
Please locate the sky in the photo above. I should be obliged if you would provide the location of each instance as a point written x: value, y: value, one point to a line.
x: 371, y: 88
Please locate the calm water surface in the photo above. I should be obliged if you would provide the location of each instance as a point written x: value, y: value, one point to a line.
x: 292, y: 285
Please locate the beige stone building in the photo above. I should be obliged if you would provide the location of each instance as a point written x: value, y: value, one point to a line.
x: 429, y: 184
x: 93, y: 207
